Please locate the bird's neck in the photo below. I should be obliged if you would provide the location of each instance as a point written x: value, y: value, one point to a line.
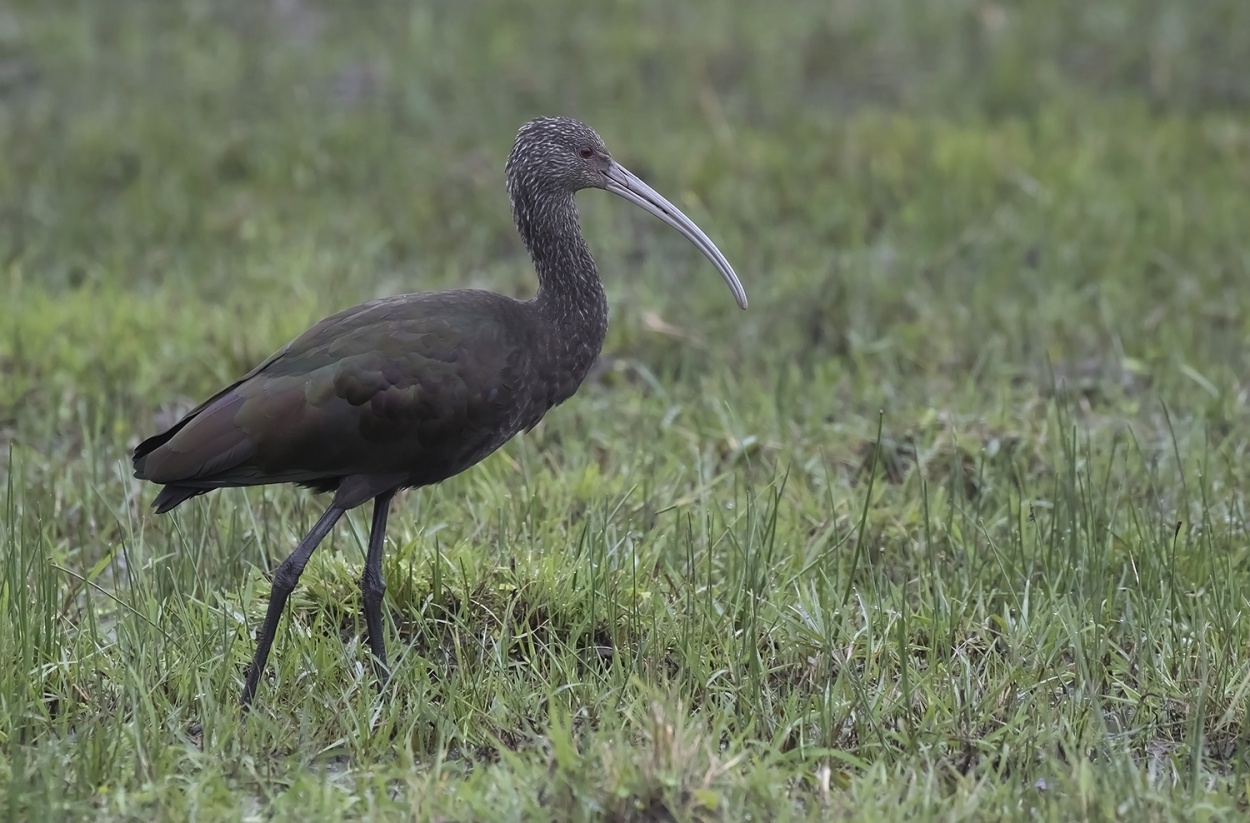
x: 570, y: 299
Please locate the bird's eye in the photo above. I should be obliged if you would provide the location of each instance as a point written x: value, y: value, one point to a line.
x: 586, y: 152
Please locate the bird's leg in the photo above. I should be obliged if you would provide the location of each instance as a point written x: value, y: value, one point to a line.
x: 284, y: 580
x: 372, y: 587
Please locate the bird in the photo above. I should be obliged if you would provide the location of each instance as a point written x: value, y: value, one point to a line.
x: 408, y: 390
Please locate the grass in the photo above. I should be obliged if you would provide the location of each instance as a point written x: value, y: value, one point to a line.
x: 951, y: 524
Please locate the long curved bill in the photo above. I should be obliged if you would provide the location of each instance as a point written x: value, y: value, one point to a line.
x: 623, y: 183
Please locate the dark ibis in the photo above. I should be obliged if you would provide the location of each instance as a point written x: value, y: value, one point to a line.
x: 406, y: 391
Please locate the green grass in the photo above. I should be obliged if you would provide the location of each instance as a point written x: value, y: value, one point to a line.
x: 951, y: 524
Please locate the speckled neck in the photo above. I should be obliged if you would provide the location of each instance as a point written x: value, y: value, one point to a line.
x: 570, y: 301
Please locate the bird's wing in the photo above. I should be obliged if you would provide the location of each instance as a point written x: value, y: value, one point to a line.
x: 415, y: 384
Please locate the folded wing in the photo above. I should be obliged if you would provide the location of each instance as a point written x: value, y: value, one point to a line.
x: 403, y: 385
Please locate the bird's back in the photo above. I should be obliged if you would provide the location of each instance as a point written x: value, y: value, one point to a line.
x: 421, y: 385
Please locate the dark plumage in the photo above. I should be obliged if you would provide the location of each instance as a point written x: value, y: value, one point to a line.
x: 409, y: 390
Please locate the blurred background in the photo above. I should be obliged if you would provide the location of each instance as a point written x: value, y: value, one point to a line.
x: 948, y: 187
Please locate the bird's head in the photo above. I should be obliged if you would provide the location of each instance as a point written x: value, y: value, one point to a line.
x: 558, y: 153
x: 555, y: 157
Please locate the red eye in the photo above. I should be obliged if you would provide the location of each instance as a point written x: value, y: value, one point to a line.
x: 586, y: 152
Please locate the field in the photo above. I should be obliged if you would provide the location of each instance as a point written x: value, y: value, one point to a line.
x: 951, y: 524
